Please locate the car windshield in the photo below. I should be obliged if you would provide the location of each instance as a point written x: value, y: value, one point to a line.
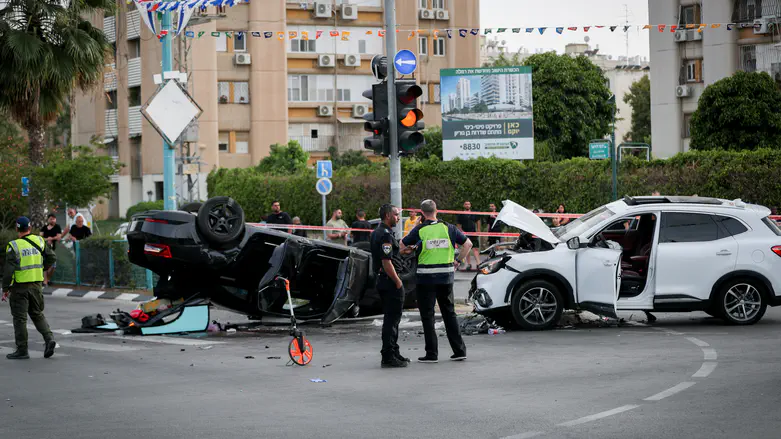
x: 585, y: 222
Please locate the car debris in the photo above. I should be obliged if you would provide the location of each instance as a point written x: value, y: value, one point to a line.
x: 249, y: 357
x: 318, y: 380
x: 273, y: 358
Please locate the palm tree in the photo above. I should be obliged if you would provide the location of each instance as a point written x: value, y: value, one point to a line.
x: 47, y: 48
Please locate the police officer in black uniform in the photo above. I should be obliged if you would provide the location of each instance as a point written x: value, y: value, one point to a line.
x: 386, y: 264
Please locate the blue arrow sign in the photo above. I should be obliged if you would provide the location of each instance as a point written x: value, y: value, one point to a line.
x: 324, y: 169
x: 405, y: 62
x: 25, y: 186
x: 324, y: 186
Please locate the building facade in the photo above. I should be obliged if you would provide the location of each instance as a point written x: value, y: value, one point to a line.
x: 687, y: 61
x: 256, y: 92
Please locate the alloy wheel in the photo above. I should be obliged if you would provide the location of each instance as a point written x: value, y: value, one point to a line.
x: 742, y: 302
x: 538, y: 305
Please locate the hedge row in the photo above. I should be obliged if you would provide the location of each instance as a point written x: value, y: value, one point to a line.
x: 579, y: 183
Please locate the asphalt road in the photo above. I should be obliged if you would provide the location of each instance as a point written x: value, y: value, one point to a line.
x: 686, y: 376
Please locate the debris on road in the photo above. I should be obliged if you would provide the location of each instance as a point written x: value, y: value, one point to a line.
x: 493, y: 331
x: 318, y: 380
x: 231, y: 330
x: 273, y: 358
x: 249, y: 357
x: 326, y: 365
x: 474, y: 324
x: 205, y: 348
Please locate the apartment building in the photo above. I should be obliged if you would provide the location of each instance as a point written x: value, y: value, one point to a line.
x: 687, y: 61
x: 255, y: 92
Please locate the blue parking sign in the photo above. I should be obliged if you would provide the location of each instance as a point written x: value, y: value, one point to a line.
x: 25, y: 186
x: 324, y: 169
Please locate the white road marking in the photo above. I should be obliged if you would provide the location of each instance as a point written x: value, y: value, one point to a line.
x: 671, y: 391
x: 9, y: 324
x: 706, y: 369
x: 61, y: 292
x: 62, y: 331
x: 3, y: 321
x: 698, y: 342
x: 709, y: 354
x: 96, y: 346
x: 126, y: 296
x: 527, y: 435
x: 597, y: 416
x: 167, y: 340
x: 92, y: 294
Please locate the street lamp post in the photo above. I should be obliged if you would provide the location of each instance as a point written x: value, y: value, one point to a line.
x: 614, y: 162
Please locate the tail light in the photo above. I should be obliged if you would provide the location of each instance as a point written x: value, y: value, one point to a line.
x: 160, y: 250
x: 154, y: 220
x: 777, y: 250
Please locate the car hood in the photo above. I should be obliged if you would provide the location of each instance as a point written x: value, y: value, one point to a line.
x: 515, y: 215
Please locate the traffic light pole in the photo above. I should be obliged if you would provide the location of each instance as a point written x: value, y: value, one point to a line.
x: 390, y: 52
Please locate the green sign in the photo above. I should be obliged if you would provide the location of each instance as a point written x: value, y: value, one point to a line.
x: 599, y: 150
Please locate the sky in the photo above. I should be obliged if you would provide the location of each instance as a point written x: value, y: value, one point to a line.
x: 556, y: 13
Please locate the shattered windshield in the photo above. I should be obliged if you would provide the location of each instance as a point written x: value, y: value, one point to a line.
x: 577, y: 226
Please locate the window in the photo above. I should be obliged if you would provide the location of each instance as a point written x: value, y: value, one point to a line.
x: 424, y: 96
x: 242, y: 142
x: 730, y: 226
x: 437, y: 92
x: 111, y: 99
x: 438, y: 4
x: 134, y: 48
x: 688, y: 227
x: 134, y: 96
x: 233, y: 92
x: 297, y: 45
x: 772, y: 225
x: 439, y: 47
x: 748, y: 58
x: 343, y: 94
x: 694, y: 70
x: 748, y: 10
x: 240, y: 44
x: 361, y: 46
x: 222, y: 43
x: 687, y: 126
x: 423, y: 45
x: 113, y: 148
x: 423, y: 4
x: 223, y: 91
x: 690, y: 15
x: 298, y: 88
x: 223, y: 142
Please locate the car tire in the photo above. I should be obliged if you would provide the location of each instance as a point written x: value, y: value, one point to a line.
x: 728, y: 300
x: 221, y: 220
x: 531, y: 294
x: 191, y: 207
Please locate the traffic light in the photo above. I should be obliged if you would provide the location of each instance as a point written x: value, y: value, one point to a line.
x: 377, y: 121
x: 409, y: 117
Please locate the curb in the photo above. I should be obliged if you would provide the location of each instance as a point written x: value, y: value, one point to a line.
x: 96, y: 294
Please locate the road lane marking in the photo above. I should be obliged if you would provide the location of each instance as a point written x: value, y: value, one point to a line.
x: 698, y: 342
x: 3, y: 321
x: 61, y: 292
x: 126, y: 296
x: 527, y: 435
x: 62, y: 331
x: 92, y: 294
x: 707, y: 368
x: 671, y: 391
x: 598, y: 416
x: 709, y: 354
x: 167, y: 340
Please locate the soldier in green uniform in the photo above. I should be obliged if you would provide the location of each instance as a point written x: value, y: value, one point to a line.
x: 26, y: 259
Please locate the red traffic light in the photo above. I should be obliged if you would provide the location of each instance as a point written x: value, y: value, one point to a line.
x: 408, y: 93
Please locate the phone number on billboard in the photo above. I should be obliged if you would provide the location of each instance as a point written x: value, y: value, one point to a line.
x: 470, y: 146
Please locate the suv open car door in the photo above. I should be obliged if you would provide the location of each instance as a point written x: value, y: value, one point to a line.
x: 598, y: 279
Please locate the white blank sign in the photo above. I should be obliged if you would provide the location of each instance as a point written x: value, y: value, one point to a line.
x: 171, y: 110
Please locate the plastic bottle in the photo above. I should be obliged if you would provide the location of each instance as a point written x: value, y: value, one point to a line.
x: 493, y: 331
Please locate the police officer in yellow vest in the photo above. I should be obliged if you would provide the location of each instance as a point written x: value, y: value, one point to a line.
x: 435, y: 242
x: 26, y: 259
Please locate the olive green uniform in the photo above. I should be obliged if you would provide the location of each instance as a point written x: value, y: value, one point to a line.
x: 25, y: 284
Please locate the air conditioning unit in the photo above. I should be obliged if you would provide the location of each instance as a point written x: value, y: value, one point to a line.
x: 427, y: 14
x: 442, y: 14
x: 696, y: 36
x: 680, y: 35
x: 325, y: 60
x: 349, y: 12
x: 761, y: 26
x: 360, y: 110
x: 325, y: 110
x: 242, y: 59
x: 322, y: 10
x: 352, y: 60
x: 683, y: 91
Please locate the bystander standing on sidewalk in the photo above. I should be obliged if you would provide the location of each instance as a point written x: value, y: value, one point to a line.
x: 277, y: 216
x: 298, y: 232
x: 78, y: 230
x: 336, y: 222
x: 469, y: 223
x: 411, y: 222
x: 360, y: 223
x: 51, y: 233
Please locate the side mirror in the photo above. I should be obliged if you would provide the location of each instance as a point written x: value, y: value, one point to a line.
x: 574, y: 243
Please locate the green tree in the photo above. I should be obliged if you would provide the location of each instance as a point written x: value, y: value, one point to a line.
x: 284, y: 159
x: 503, y: 60
x: 741, y: 112
x: 349, y: 158
x: 47, y: 49
x: 433, y: 146
x: 639, y: 97
x: 571, y: 101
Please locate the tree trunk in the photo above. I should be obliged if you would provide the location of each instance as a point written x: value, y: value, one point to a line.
x: 37, y: 204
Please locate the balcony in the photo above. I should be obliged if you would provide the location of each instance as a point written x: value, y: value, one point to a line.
x: 110, y: 28
x: 134, y: 121
x: 110, y: 78
x: 322, y: 143
x: 134, y: 72
x: 133, y: 25
x: 111, y: 124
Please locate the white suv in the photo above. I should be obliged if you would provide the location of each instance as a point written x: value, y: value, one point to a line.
x: 643, y: 253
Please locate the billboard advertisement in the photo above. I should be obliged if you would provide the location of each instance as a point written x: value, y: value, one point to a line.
x: 487, y: 112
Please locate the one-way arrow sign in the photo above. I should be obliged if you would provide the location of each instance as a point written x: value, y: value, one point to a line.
x: 405, y: 62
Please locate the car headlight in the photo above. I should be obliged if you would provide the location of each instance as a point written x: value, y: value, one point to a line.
x: 493, y: 265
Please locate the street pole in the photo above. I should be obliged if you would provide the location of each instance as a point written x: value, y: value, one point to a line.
x: 395, y: 163
x: 169, y: 153
x: 613, y: 151
x: 325, y: 238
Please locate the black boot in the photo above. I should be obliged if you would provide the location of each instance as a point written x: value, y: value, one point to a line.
x: 398, y: 355
x: 19, y: 354
x: 393, y: 362
x: 49, y: 351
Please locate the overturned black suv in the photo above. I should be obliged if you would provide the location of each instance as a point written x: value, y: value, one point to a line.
x: 206, y: 250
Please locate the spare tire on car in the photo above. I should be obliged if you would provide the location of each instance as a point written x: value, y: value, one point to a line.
x: 221, y: 220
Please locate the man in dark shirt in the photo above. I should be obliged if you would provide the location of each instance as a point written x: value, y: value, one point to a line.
x: 278, y: 217
x: 51, y: 233
x: 385, y: 264
x: 361, y: 223
x: 78, y: 230
x: 470, y: 223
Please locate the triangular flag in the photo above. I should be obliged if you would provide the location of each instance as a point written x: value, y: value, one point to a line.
x: 586, y: 28
x: 200, y: 34
x: 673, y: 28
x: 542, y: 30
x: 280, y: 36
x: 189, y: 34
x: 304, y: 35
x: 256, y: 34
x: 730, y: 25
x: 501, y: 29
x: 599, y: 27
x: 369, y: 32
x: 381, y: 33
x: 715, y: 26
x: 529, y: 30
x: 516, y: 30
x: 411, y: 35
x: 268, y: 34
x: 229, y: 34
x: 449, y: 33
x: 462, y: 32
x: 345, y: 35
x: 661, y: 27
x: 559, y: 30
x: 474, y: 31
x: 334, y: 33
x: 647, y: 26
x: 613, y: 28
x: 702, y: 26
x: 573, y: 28
x: 215, y: 34
x: 292, y: 34
x: 487, y: 31
x: 239, y: 35
x: 691, y: 26
x: 318, y: 34
x: 436, y: 33
x: 626, y: 28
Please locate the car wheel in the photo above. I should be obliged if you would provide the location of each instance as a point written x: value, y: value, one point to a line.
x: 191, y: 207
x: 221, y: 220
x: 537, y: 305
x: 741, y: 301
